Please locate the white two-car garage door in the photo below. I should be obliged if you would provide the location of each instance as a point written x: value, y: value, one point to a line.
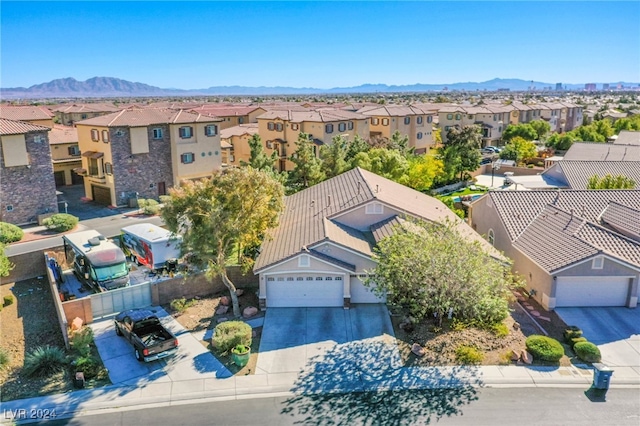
x: 591, y: 291
x: 314, y: 290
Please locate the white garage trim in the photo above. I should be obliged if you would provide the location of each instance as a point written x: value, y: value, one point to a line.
x: 296, y: 290
x: 592, y: 291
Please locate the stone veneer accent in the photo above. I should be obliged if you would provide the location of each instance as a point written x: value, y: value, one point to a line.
x: 137, y: 172
x: 31, y: 191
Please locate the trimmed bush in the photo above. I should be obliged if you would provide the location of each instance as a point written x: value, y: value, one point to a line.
x: 544, y: 348
x: 181, y: 305
x: 4, y: 358
x: 587, y: 351
x: 149, y: 206
x: 229, y: 334
x: 468, y: 355
x: 44, y: 361
x: 577, y: 340
x: 61, y: 222
x: 81, y: 341
x: 572, y: 332
x: 89, y: 365
x: 10, y: 233
x: 7, y: 300
x: 500, y: 329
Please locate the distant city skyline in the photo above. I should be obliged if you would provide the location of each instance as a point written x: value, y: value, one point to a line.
x: 195, y: 45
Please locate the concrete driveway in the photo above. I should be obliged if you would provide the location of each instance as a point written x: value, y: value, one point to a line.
x: 192, y: 361
x: 294, y: 338
x: 616, y: 331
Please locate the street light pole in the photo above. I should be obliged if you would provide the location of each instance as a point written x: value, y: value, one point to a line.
x: 494, y: 166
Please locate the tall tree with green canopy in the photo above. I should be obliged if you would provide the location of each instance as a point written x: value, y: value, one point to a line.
x: 308, y: 167
x: 422, y: 172
x: 334, y: 156
x: 611, y: 182
x: 461, y: 150
x: 561, y: 141
x: 523, y: 130
x: 541, y: 127
x: 258, y: 159
x: 388, y: 163
x: 232, y: 209
x: 519, y: 149
x: 357, y: 145
x: 603, y: 128
x: 427, y: 268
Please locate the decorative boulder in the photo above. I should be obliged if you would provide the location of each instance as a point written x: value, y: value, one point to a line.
x: 249, y: 311
x: 239, y: 292
x: 418, y: 350
x: 76, y: 324
x: 225, y: 301
x: 526, y: 357
x: 223, y: 319
x: 222, y: 310
x: 515, y: 355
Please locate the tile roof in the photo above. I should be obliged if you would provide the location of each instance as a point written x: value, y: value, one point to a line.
x: 627, y: 137
x: 393, y: 110
x: 225, y: 111
x: 322, y: 115
x: 578, y: 173
x: 25, y: 113
x: 12, y: 127
x: 80, y: 108
x: 63, y: 134
x: 137, y: 117
x: 312, y: 215
x: 594, y: 151
x: 610, y: 243
x: 242, y: 129
x: 385, y: 228
x: 622, y: 218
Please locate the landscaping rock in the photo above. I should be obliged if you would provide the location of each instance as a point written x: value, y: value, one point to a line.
x: 418, y: 350
x: 223, y: 319
x: 515, y: 355
x: 516, y: 326
x: 526, y: 357
x: 222, y: 310
x: 239, y: 292
x: 225, y: 301
x: 76, y: 324
x: 249, y: 311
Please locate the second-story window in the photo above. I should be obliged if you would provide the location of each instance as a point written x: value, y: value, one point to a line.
x: 187, y: 158
x: 211, y: 130
x: 350, y: 125
x: 295, y: 126
x: 419, y: 119
x: 74, y: 150
x: 157, y: 133
x: 186, y: 132
x: 342, y: 127
x: 385, y: 121
x: 458, y: 116
x: 105, y: 136
x: 449, y: 116
x: 95, y: 136
x: 429, y: 119
x: 329, y: 128
x: 271, y: 126
x: 279, y: 127
x: 407, y: 120
x: 374, y: 121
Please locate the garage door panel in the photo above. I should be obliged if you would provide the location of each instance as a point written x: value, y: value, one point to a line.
x: 101, y: 195
x: 591, y: 291
x: 304, y: 293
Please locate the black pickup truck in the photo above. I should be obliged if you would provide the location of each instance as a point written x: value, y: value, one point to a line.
x: 142, y: 328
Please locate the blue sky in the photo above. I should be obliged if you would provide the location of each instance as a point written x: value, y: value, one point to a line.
x: 193, y: 45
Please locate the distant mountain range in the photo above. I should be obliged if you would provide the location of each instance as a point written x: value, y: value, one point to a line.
x: 115, y: 87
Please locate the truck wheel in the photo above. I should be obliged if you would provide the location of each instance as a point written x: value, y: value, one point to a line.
x: 118, y: 331
x: 139, y: 356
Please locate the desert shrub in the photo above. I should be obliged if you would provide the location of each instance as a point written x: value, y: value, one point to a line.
x: 468, y: 355
x: 577, y: 340
x: 81, y: 341
x: 44, y: 361
x: 89, y: 365
x: 10, y: 233
x: 500, y: 329
x: 571, y: 332
x: 149, y: 206
x: 181, y: 305
x: 61, y: 222
x: 458, y: 325
x: 7, y: 300
x: 587, y: 351
x: 4, y: 358
x: 544, y: 348
x: 229, y: 334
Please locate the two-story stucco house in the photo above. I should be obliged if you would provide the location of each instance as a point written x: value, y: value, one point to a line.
x: 65, y: 155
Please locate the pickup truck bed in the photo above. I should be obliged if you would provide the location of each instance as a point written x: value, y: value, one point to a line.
x: 144, y: 331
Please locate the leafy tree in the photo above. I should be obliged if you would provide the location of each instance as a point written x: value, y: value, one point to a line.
x: 588, y: 134
x: 629, y: 123
x: 428, y: 268
x: 400, y: 142
x: 356, y: 146
x: 523, y: 130
x: 258, y: 159
x: 437, y: 135
x: 232, y: 209
x: 423, y: 171
x: 5, y: 265
x: 562, y: 141
x: 461, y: 150
x: 603, y: 128
x: 611, y: 182
x: 308, y: 167
x: 334, y: 156
x: 388, y: 163
x: 541, y: 127
x: 518, y: 149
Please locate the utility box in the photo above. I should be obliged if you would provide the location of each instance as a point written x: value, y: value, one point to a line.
x: 601, y: 376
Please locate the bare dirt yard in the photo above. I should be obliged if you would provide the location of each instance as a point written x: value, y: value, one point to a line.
x: 31, y: 321
x: 200, y: 317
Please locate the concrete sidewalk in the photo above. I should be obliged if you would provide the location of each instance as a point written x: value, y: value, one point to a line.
x: 263, y: 385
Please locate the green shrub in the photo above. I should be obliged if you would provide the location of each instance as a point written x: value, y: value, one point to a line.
x: 240, y: 349
x: 149, y: 206
x: 4, y: 358
x: 44, y: 361
x: 530, y: 166
x: 587, y: 351
x: 89, y: 365
x: 7, y: 300
x: 544, y: 348
x: 61, y: 222
x: 81, y: 341
x: 468, y: 355
x: 500, y: 329
x: 229, y: 334
x: 181, y: 305
x: 571, y: 332
x: 10, y: 233
x: 577, y: 340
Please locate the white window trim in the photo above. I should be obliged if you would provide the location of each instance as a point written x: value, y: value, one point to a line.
x: 597, y: 262
x: 304, y: 261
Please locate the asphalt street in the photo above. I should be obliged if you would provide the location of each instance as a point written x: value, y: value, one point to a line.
x: 486, y: 406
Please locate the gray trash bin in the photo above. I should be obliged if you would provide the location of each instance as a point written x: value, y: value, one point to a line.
x: 601, y: 376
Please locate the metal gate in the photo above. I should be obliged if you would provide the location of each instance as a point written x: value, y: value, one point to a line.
x: 114, y: 301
